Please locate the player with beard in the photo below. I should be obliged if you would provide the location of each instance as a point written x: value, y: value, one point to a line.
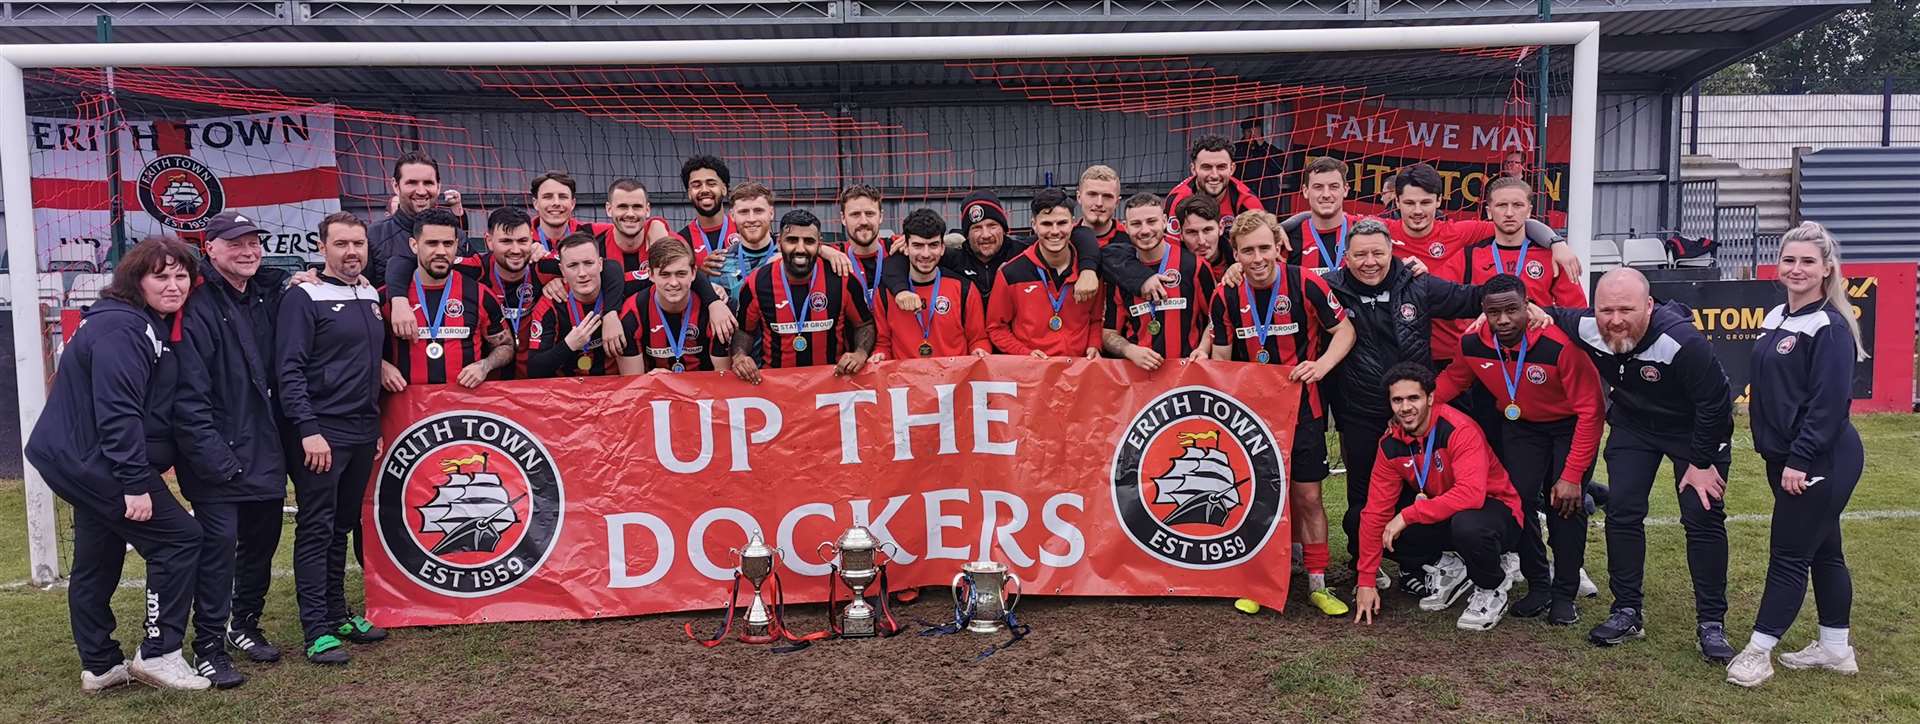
x: 987, y: 248
x: 553, y: 204
x: 1285, y: 315
x: 1549, y: 398
x: 1099, y: 192
x: 463, y: 336
x: 1669, y: 401
x: 1210, y: 161
x: 661, y: 323
x: 709, y: 233
x: 633, y: 230
x: 1393, y: 308
x: 951, y: 321
x: 563, y: 339
x: 1147, y: 332
x: 1440, y: 502
x: 800, y: 314
x: 752, y: 247
x: 1053, y: 324
x: 1198, y: 222
x: 860, y: 217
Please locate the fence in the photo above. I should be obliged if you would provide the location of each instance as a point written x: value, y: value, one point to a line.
x: 1761, y: 131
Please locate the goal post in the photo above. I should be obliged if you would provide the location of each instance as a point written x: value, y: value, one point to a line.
x: 17, y: 170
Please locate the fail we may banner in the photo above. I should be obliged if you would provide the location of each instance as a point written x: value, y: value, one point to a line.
x: 616, y: 496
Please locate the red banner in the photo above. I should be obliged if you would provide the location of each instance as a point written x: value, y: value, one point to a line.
x: 585, y: 498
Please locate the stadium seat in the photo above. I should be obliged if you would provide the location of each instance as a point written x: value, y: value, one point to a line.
x: 86, y: 289
x: 75, y: 257
x: 1605, y: 254
x: 1644, y: 254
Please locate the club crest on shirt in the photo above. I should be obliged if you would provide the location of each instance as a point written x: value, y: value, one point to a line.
x: 1786, y: 344
x: 1650, y: 373
x: 1283, y: 305
x: 1536, y: 374
x: 941, y: 305
x: 1173, y: 277
x: 1535, y: 270
x: 1437, y: 249
x: 456, y: 309
x: 817, y: 301
x: 1407, y: 312
x: 534, y: 330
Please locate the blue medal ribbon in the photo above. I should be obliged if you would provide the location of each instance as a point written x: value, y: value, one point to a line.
x: 924, y: 315
x: 439, y: 315
x: 1519, y: 258
x: 676, y: 344
x: 726, y: 222
x: 1512, y: 380
x: 800, y: 318
x: 1153, y: 307
x: 1426, y: 463
x: 1056, y: 296
x: 1339, y: 243
x: 525, y: 295
x: 860, y: 272
x: 1261, y: 326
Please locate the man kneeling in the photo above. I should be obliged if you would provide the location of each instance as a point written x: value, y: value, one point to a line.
x: 1438, y: 501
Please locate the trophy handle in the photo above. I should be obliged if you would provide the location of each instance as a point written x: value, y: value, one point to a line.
x: 1013, y: 599
x: 955, y: 587
x: 887, y: 547
x: 827, y: 551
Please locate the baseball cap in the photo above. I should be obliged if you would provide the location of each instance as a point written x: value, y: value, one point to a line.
x: 231, y: 225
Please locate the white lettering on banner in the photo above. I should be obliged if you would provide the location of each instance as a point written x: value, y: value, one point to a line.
x: 737, y: 423
x: 993, y: 533
x: 663, y: 438
x: 878, y: 526
x: 903, y: 422
x: 984, y: 415
x: 937, y: 523
x: 783, y: 538
x: 849, y: 424
x: 1379, y: 129
x: 617, y: 576
x: 697, y: 539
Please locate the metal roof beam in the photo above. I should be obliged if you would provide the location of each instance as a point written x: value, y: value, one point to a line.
x: 1766, y: 36
x: 1673, y: 41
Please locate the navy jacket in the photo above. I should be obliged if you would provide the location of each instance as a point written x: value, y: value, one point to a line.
x: 1802, y: 384
x: 106, y: 432
x: 226, y: 420
x: 1669, y: 386
x: 1393, y: 323
x: 386, y: 239
x: 328, y: 357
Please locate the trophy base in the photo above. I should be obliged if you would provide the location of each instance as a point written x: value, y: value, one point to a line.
x: 858, y: 628
x: 758, y: 630
x: 989, y: 626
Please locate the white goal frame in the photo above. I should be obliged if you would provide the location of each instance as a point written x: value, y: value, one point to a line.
x: 16, y: 173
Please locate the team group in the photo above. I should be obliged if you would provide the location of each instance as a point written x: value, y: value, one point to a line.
x: 1461, y: 442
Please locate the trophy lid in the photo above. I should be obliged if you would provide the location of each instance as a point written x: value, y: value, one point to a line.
x: 857, y: 538
x: 756, y: 547
x: 984, y: 567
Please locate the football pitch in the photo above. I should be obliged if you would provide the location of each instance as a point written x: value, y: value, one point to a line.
x: 1102, y: 659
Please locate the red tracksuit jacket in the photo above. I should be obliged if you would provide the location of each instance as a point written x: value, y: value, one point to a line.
x: 1018, y: 310
x: 1463, y: 476
x: 956, y: 324
x: 1559, y: 382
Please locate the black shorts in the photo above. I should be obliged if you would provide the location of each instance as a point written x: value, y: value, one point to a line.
x: 1309, y: 463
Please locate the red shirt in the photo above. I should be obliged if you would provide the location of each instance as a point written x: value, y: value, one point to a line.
x: 1183, y: 315
x: 1113, y: 232
x: 651, y: 332
x: 955, y: 323
x: 547, y: 351
x: 1559, y: 382
x: 867, y: 268
x: 1236, y: 199
x: 829, y: 308
x: 1303, y: 316
x: 1020, y: 309
x: 1445, y: 238
x: 1462, y: 476
x: 472, y: 314
x: 705, y: 240
x: 1533, y: 264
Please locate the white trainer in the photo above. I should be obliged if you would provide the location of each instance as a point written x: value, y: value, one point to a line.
x: 1510, y: 562
x: 1484, y: 609
x: 116, y: 676
x: 1817, y: 656
x: 1447, y: 580
x: 1587, y: 589
x: 169, y: 671
x: 1751, y: 668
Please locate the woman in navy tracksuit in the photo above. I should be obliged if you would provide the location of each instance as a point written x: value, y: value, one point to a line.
x: 102, y: 442
x: 1802, y: 384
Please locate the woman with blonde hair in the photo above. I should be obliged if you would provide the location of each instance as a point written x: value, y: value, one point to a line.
x: 1802, y: 383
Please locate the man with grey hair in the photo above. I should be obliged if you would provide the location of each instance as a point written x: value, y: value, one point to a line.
x: 1669, y: 399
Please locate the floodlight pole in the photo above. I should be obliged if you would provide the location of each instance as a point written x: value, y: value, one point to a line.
x: 17, y: 175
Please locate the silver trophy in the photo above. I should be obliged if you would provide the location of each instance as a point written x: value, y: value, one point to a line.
x: 988, y: 599
x: 855, y: 551
x: 756, y: 564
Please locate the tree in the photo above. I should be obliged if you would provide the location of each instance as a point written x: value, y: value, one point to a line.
x: 1849, y: 53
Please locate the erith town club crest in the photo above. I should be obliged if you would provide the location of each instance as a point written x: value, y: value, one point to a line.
x: 1198, y: 480
x: 180, y: 192
x: 468, y: 504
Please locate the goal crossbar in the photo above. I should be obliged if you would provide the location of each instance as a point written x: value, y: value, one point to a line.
x: 16, y: 174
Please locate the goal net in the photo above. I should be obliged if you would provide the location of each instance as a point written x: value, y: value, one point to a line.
x: 120, y: 154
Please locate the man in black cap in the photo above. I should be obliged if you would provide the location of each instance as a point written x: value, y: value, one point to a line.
x: 230, y: 464
x: 986, y: 248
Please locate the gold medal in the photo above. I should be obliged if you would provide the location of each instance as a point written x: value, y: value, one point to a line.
x: 1513, y: 411
x: 1153, y: 327
x: 1054, y: 323
x: 926, y: 349
x: 585, y: 363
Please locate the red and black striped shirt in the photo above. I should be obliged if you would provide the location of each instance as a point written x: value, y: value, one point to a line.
x: 801, y: 324
x: 1303, y: 315
x: 473, y: 313
x: 955, y: 321
x: 650, y: 331
x: 516, y: 300
x: 632, y: 264
x: 1182, y: 316
x: 706, y: 240
x: 547, y: 351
